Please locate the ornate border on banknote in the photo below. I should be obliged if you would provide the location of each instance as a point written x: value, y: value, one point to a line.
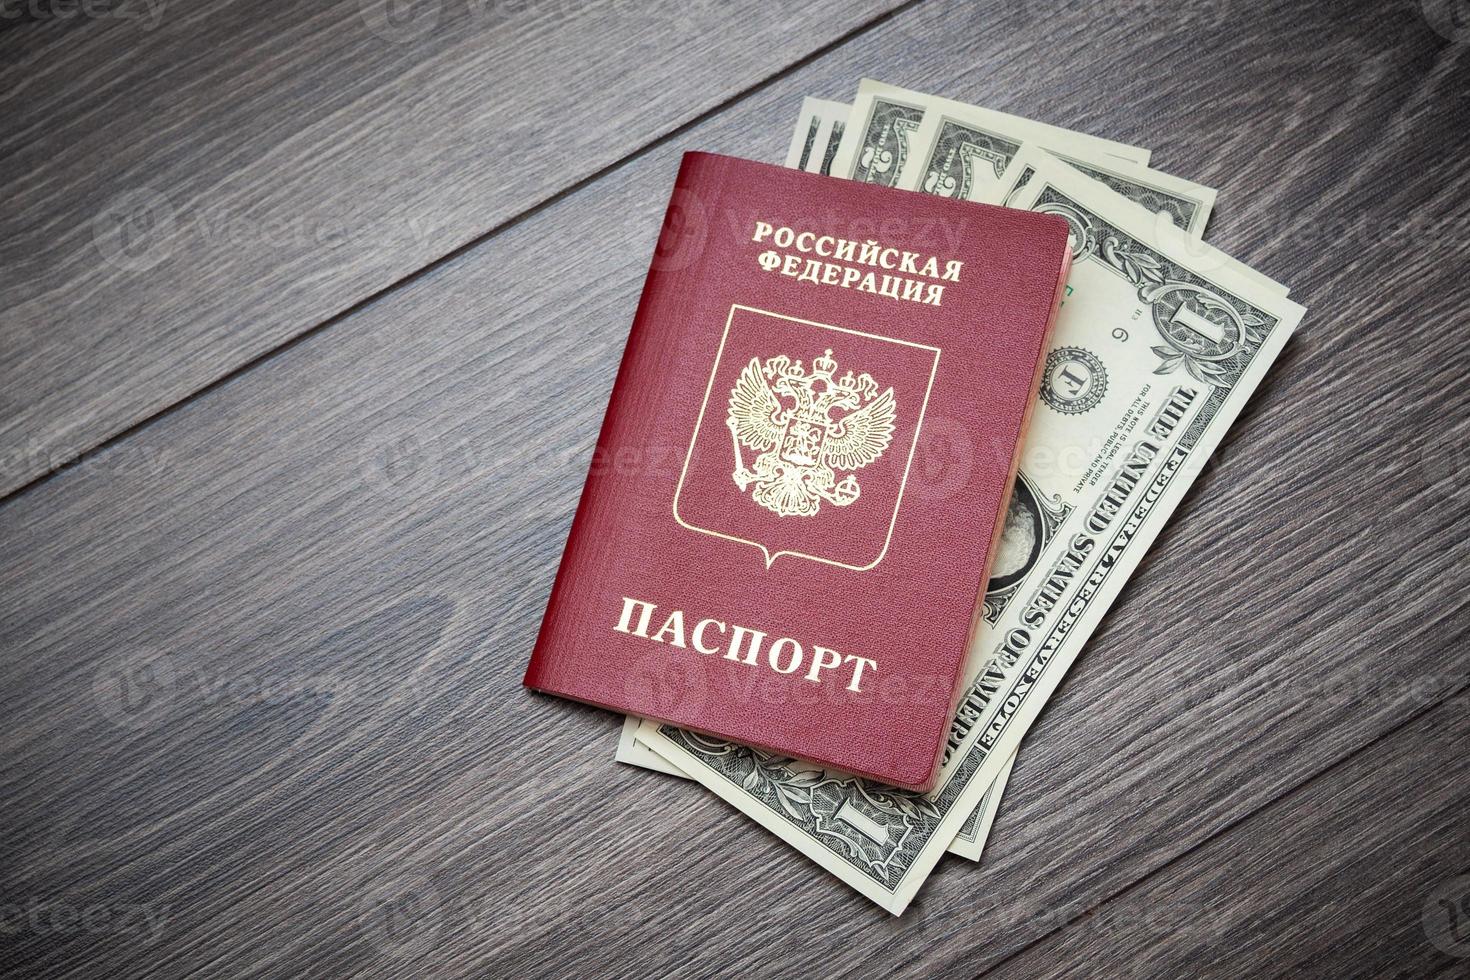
x: 1183, y: 210
x: 877, y: 829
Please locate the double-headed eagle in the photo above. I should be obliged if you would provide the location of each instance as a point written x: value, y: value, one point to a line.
x: 786, y: 416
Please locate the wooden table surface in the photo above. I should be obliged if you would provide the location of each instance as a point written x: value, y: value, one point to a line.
x: 309, y: 315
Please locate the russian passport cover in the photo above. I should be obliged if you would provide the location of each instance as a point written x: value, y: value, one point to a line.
x: 787, y: 526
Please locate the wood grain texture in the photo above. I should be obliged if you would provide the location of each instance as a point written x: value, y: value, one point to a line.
x: 1339, y: 878
x: 323, y: 577
x: 190, y: 186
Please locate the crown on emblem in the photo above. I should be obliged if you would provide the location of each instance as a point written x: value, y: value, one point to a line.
x: 824, y: 365
x: 818, y: 393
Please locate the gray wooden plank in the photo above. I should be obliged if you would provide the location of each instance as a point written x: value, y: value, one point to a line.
x: 189, y: 186
x: 335, y: 563
x: 1341, y: 878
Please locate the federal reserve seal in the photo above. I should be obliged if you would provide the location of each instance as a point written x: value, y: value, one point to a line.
x: 1073, y: 381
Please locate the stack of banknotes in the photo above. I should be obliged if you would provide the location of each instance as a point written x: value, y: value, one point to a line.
x: 1160, y: 341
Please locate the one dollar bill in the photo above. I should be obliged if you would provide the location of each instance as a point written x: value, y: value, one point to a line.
x: 819, y: 129
x: 921, y: 142
x: 1157, y: 347
x: 957, y: 157
x: 969, y: 841
x: 883, y: 129
x: 1144, y: 187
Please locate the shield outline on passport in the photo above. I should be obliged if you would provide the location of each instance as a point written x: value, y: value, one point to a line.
x: 769, y: 555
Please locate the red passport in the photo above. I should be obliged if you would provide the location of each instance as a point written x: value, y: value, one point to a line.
x: 787, y: 527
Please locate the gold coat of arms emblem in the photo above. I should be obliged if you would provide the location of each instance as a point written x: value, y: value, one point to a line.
x: 805, y: 429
